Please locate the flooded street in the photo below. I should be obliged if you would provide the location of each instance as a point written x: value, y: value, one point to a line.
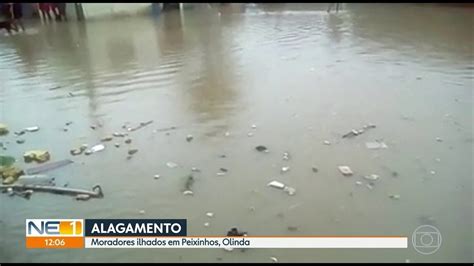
x: 300, y: 75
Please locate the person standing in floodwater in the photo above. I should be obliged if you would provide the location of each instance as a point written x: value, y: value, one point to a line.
x: 17, y: 15
x: 59, y: 10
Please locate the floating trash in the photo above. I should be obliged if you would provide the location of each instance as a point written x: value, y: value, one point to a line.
x: 370, y: 186
x: 189, y: 138
x: 273, y: 259
x: 47, y: 167
x: 327, y: 142
x: 227, y: 134
x: 358, y: 183
x: 228, y: 249
x: 119, y: 134
x: 20, y: 141
x: 156, y: 176
x: 285, y: 169
x: 250, y: 134
x: 438, y: 139
x: 35, y: 180
x: 65, y: 129
x: 235, y: 232
x: 254, y: 126
x: 32, y: 129
x: 39, y: 156
x: 171, y: 164
x: 376, y: 145
x: 79, y: 150
x: 194, y: 169
x: 188, y: 192
x: 18, y: 133
x: 291, y: 191
x: 261, y: 148
x: 372, y: 177
x: 116, y: 144
x: 276, y: 184
x: 210, y: 214
x: 292, y: 228
x: 142, y: 212
x: 128, y: 141
x: 315, y: 170
x: 345, y: 170
x: 3, y: 129
x: 83, y: 197
x: 106, y: 138
x: 395, y: 196
x: 223, y: 170
x: 206, y: 224
x: 220, y: 173
x: 68, y: 123
x: 252, y: 208
x: 433, y: 172
x: 286, y: 156
x: 132, y: 151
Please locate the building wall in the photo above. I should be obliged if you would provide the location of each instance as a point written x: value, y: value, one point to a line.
x: 101, y: 10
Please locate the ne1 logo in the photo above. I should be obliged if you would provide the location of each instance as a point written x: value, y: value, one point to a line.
x: 54, y: 227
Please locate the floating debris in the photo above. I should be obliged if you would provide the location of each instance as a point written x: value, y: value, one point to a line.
x: 285, y: 169
x: 68, y: 123
x: 206, y: 224
x: 106, y: 138
x: 32, y: 129
x: 39, y: 156
x: 220, y: 173
x: 254, y: 126
x: 83, y: 197
x: 132, y: 151
x: 291, y: 191
x: 156, y: 176
x: 6, y: 161
x: 78, y: 151
x: 194, y: 169
x: 315, y: 170
x: 223, y: 170
x: 261, y: 148
x: 93, y: 127
x: 433, y: 172
x: 227, y: 134
x: 142, y: 212
x: 35, y: 180
x: 65, y: 129
x: 10, y: 174
x: 188, y: 192
x: 355, y: 132
x: 375, y: 145
x: 250, y: 134
x: 171, y: 164
x: 128, y: 141
x: 95, y: 148
x: 117, y: 145
x: 142, y: 124
x: 345, y: 170
x: 372, y: 177
x: 370, y: 186
x: 292, y: 228
x: 119, y: 134
x: 18, y: 133
x: 274, y: 259
x: 189, y: 183
x: 222, y: 156
x: 96, y: 190
x: 358, y: 183
x: 252, y: 208
x: 394, y: 173
x: 189, y: 138
x: 286, y: 156
x: 327, y: 142
x: 395, y: 196
x: 20, y: 141
x: 438, y: 139
x: 228, y: 249
x: 235, y: 232
x: 276, y: 184
x: 3, y: 129
x: 210, y: 214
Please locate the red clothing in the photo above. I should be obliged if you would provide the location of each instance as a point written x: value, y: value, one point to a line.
x: 45, y: 6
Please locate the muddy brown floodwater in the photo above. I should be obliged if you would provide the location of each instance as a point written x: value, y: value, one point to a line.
x: 301, y: 75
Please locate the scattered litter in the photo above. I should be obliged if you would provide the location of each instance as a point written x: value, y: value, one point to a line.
x: 227, y: 134
x: 222, y: 156
x: 394, y: 173
x: 10, y: 174
x: 68, y: 123
x: 210, y: 214
x: 370, y: 186
x: 32, y: 129
x: 142, y: 124
x: 65, y: 129
x: 194, y: 169
x: 20, y: 141
x: 128, y: 141
x: 35, y: 180
x: 116, y: 144
x: 254, y: 126
x: 206, y: 224
x: 119, y: 134
x: 164, y: 129
x: 95, y: 148
x: 315, y: 170
x: 438, y: 139
x: 156, y: 176
x: 326, y: 142
x: 261, y: 148
x: 418, y: 78
x: 276, y: 184
x: 358, y: 183
x: 189, y: 183
x: 345, y: 170
x: 286, y: 156
x: 285, y: 169
x: 292, y: 228
x: 171, y: 164
x: 291, y: 191
x: 250, y: 134
x: 188, y: 192
x: 235, y: 232
x: 3, y: 129
x: 395, y: 196
x: 78, y: 151
x: 142, y: 212
x: 189, y: 138
x: 374, y: 145
x: 228, y: 249
x: 93, y: 127
x: 18, y: 133
x: 372, y: 177
x: 106, y: 138
x: 432, y: 172
x: 355, y: 132
x: 83, y: 197
x: 96, y: 190
x: 274, y: 259
x: 39, y: 156
x: 220, y: 173
x: 223, y: 170
x: 132, y: 151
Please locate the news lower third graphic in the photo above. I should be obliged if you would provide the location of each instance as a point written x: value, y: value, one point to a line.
x: 172, y: 233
